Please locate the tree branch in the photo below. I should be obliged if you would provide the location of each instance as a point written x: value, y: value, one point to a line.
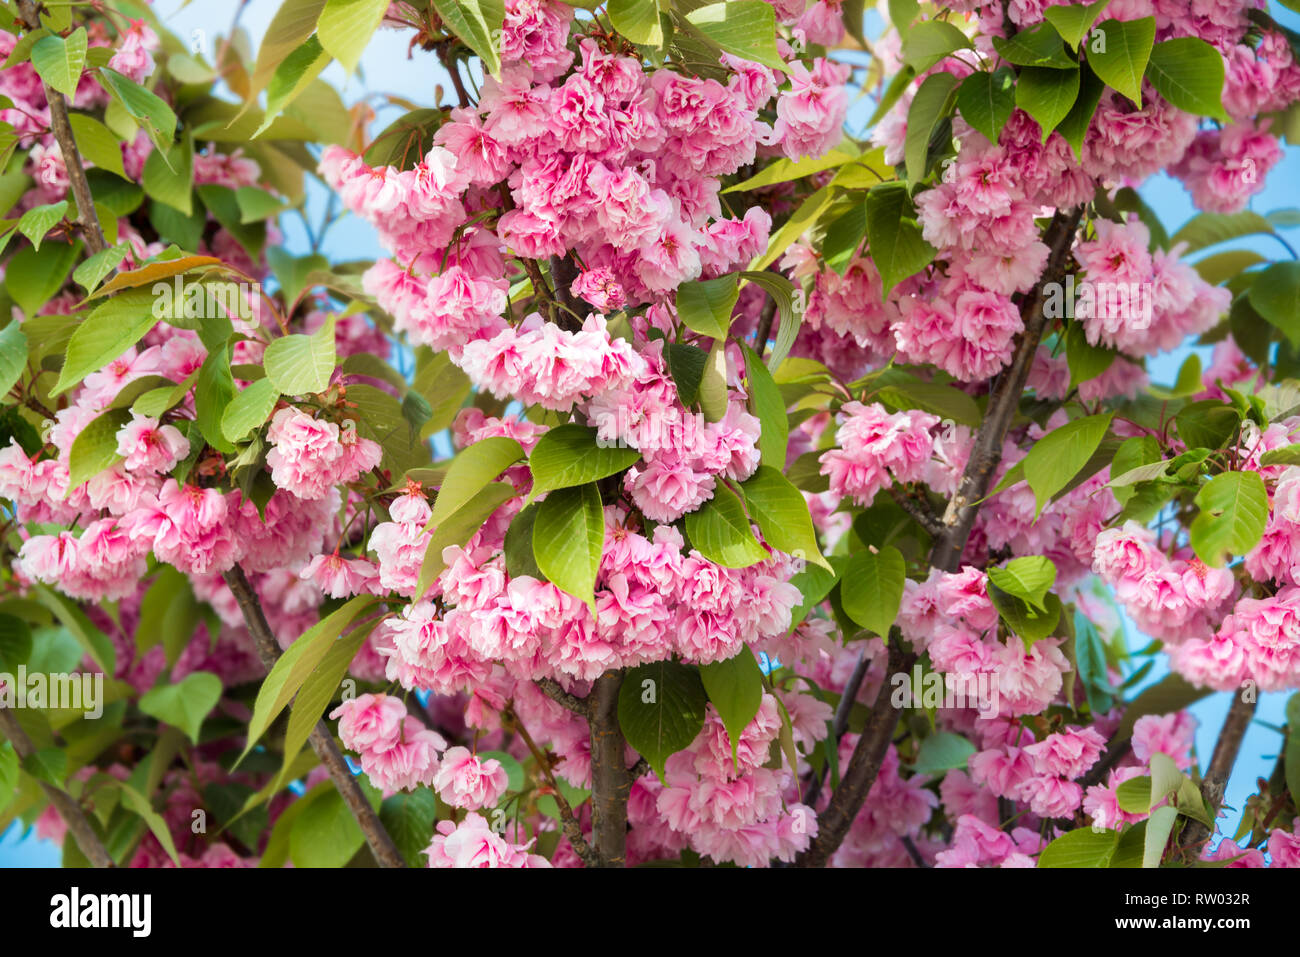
x: 959, y: 519
x: 1222, y: 760
x: 841, y: 721
x: 569, y: 820
x: 551, y: 688
x: 856, y: 781
x: 919, y: 509
x: 1004, y: 400
x: 610, y: 781
x: 86, y: 216
x: 321, y: 738
x: 69, y: 808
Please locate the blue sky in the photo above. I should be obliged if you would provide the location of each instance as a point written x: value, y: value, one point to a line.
x: 386, y: 68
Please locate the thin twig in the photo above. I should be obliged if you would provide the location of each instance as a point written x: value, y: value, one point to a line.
x: 321, y: 738
x: 569, y: 820
x: 87, y: 219
x: 69, y: 808
x: 919, y: 509
x: 551, y: 688
x: 1222, y: 761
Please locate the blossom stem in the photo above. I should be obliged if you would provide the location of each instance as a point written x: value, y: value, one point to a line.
x: 322, y: 740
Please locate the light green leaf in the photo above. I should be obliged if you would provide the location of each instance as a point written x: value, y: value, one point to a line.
x: 301, y: 364
x: 144, y: 107
x: 743, y: 28
x: 1073, y: 22
x: 705, y: 305
x: 1275, y: 295
x: 872, y: 588
x: 942, y: 751
x: 782, y: 514
x: 735, y: 687
x: 569, y: 538
x: 115, y: 326
x: 573, y: 455
x: 1159, y: 826
x: 767, y: 405
x: 1234, y: 511
x: 719, y: 530
x: 928, y: 42
x: 1122, y: 60
x: 1188, y: 72
x: 325, y: 834
x: 249, y: 410
x: 1082, y: 847
x: 931, y: 104
x: 1059, y: 455
x: 478, y: 23
x: 1047, y: 95
x: 346, y: 26
x: 169, y: 176
x: 39, y: 220
x: 94, y: 450
x: 1028, y: 578
x: 59, y: 61
x: 471, y: 471
x: 185, y: 704
x: 33, y: 276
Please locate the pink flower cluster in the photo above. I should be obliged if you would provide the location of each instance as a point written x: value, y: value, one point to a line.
x: 876, y: 449
x: 397, y: 752
x: 310, y: 456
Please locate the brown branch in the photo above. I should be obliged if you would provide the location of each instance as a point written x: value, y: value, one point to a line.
x: 959, y: 519
x: 856, y: 781
x: 69, y: 808
x: 1004, y: 400
x: 321, y: 738
x: 1222, y: 760
x: 840, y: 722
x: 919, y: 509
x: 610, y: 781
x: 551, y: 688
x: 569, y: 820
x: 87, y: 219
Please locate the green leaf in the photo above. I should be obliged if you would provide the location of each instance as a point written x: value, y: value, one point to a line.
x: 296, y: 664
x: 92, y: 272
x: 138, y: 803
x: 784, y: 170
x: 1040, y: 47
x: 519, y: 545
x: 292, y: 76
x: 39, y: 220
x: 781, y: 290
x: 638, y: 20
x: 1207, y: 425
x: 767, y: 405
x: 471, y: 471
x: 325, y: 834
x: 713, y: 383
x: 705, y: 305
x: 1188, y: 72
x: 743, y: 28
x: 1028, y: 578
x: 15, y: 644
x: 719, y: 530
x: 1159, y: 826
x: 1090, y: 656
x: 478, y: 23
x: 59, y: 61
x: 185, y: 704
x: 1082, y: 847
x: 932, y: 103
x: 942, y: 751
x: 33, y: 276
x: 1059, y: 455
x: 1029, y: 623
x: 144, y: 107
x: 8, y: 773
x: 115, y: 326
x: 1290, y: 759
x: 1074, y: 128
x: 301, y: 364
x: 1085, y: 360
x: 49, y: 765
x: 1134, y: 795
x: 1121, y: 61
x: 942, y: 400
x: 409, y: 818
x: 457, y: 528
x: 661, y: 708
x: 794, y: 227
x: 569, y: 538
x: 1074, y: 22
x: 1234, y: 511
x: 94, y: 450
x: 213, y: 393
x: 1275, y: 295
x: 169, y: 613
x: 13, y: 356
x: 573, y: 455
x: 248, y: 410
x: 782, y: 514
x: 1047, y: 95
x: 346, y: 26
x: 930, y: 41
x: 897, y: 247
x: 169, y: 176
x: 987, y: 100
x: 872, y: 588
x: 735, y: 687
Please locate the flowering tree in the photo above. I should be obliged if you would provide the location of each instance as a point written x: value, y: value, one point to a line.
x: 801, y: 485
